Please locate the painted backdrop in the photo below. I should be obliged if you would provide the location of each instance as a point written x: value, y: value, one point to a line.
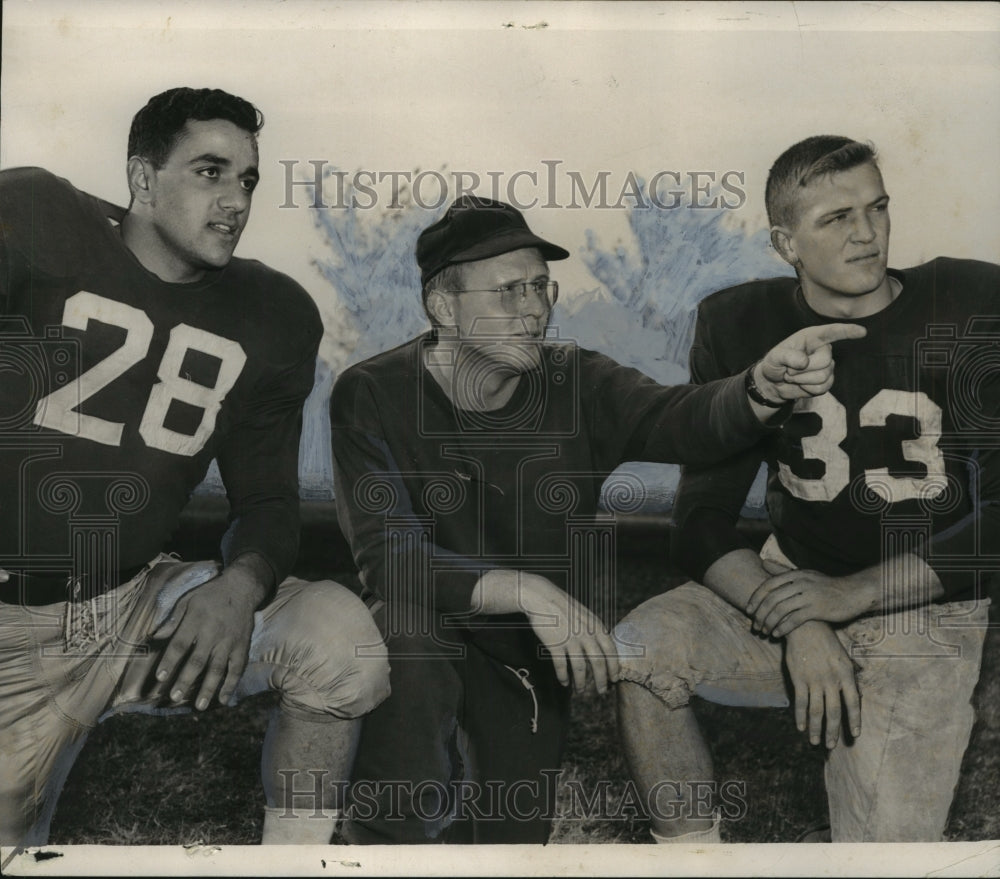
x: 637, y: 135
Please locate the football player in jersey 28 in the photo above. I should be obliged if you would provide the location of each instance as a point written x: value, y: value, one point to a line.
x: 882, y: 497
x: 135, y: 349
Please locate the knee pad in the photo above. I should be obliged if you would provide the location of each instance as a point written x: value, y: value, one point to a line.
x: 665, y: 624
x: 329, y: 658
x: 656, y: 642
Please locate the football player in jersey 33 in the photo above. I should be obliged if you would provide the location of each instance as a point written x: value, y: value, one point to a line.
x: 135, y: 349
x: 882, y: 496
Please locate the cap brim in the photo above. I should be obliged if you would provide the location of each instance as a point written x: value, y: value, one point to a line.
x: 505, y: 242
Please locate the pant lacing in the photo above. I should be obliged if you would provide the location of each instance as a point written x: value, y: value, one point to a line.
x: 80, y: 623
x: 522, y: 675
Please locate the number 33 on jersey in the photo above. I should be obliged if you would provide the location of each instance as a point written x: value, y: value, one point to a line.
x: 824, y: 446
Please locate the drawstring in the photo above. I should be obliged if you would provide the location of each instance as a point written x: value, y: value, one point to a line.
x: 81, y: 617
x: 82, y: 622
x: 522, y: 676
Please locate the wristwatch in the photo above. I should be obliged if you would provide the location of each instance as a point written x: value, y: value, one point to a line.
x: 754, y: 393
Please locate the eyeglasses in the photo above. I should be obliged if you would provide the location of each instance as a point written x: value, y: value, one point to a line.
x: 514, y: 297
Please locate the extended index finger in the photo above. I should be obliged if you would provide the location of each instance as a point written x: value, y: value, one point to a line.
x: 816, y: 337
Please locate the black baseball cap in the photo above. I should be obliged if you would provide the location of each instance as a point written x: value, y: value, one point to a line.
x: 477, y: 228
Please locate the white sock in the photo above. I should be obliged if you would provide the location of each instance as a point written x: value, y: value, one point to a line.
x: 710, y: 836
x: 298, y: 826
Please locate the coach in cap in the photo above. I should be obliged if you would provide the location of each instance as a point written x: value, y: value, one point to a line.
x: 468, y: 465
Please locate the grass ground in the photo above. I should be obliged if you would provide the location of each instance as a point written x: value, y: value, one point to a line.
x: 156, y: 781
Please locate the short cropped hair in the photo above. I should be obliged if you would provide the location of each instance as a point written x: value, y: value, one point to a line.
x: 156, y: 127
x: 451, y: 277
x: 802, y: 163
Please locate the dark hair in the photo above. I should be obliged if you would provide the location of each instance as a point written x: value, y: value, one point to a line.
x: 156, y: 126
x: 802, y: 163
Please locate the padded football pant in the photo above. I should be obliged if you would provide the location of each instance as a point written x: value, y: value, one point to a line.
x: 916, y: 672
x: 65, y: 667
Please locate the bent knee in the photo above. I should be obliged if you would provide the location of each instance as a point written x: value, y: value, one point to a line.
x: 663, y: 629
x: 691, y: 642
x: 658, y: 644
x: 329, y: 657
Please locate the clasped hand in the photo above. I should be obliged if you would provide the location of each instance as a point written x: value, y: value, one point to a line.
x: 799, y: 605
x: 822, y: 676
x: 792, y: 596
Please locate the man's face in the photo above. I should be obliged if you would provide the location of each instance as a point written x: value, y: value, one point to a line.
x: 840, y: 241
x: 200, y: 200
x: 479, y: 316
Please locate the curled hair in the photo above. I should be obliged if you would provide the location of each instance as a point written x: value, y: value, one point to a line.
x: 156, y: 127
x: 802, y: 163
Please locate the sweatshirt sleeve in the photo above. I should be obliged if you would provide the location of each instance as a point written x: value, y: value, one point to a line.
x: 710, y: 497
x: 634, y: 418
x: 392, y: 546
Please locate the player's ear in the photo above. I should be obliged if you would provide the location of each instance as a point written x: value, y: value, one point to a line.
x: 139, y: 173
x: 781, y: 240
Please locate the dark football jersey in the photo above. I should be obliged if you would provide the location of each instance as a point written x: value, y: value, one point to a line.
x: 118, y: 389
x: 899, y: 455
